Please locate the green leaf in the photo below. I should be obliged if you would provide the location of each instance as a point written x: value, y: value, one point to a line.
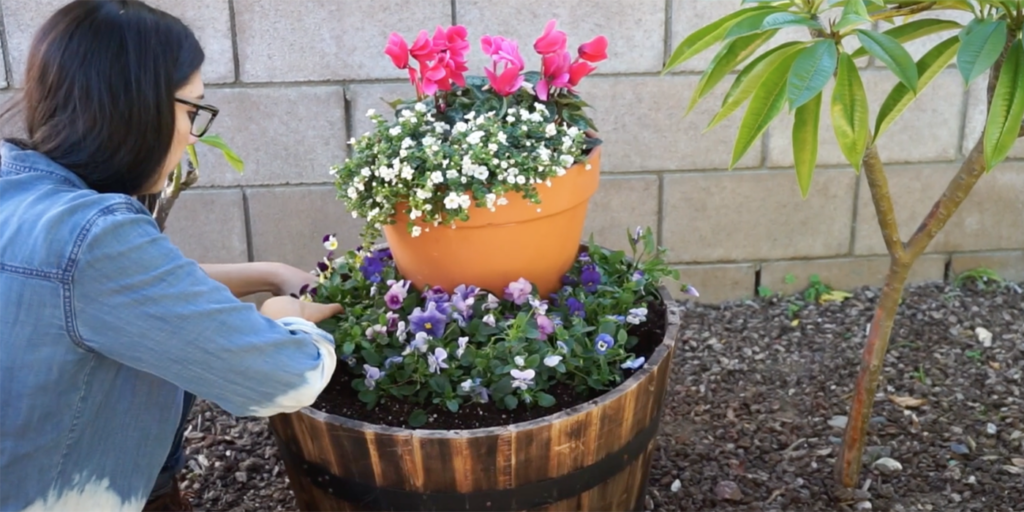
x: 750, y: 24
x: 511, y: 401
x: 215, y: 141
x: 418, y: 418
x: 811, y: 71
x: 1004, y: 117
x: 709, y: 34
x: 545, y: 400
x: 980, y: 49
x: 850, y: 112
x: 453, y: 404
x: 750, y: 78
x: 892, y: 53
x: 805, y: 142
x: 900, y: 97
x: 854, y: 13
x: 731, y: 55
x: 765, y: 104
x: 789, y: 19
x: 912, y: 30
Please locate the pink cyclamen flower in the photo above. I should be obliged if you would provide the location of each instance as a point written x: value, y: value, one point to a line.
x: 551, y: 41
x: 397, y: 50
x: 423, y: 49
x: 452, y: 43
x: 578, y: 70
x: 554, y: 74
x: 594, y: 50
x: 505, y: 56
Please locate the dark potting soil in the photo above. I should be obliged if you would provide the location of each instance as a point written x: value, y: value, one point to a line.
x: 339, y: 398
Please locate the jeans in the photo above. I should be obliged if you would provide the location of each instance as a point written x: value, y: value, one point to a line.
x: 176, y: 457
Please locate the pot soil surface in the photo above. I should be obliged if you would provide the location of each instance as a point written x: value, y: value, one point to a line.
x: 753, y: 412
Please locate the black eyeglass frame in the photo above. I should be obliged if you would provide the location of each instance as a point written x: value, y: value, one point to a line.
x: 212, y: 110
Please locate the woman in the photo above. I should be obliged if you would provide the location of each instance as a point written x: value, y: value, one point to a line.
x: 104, y: 325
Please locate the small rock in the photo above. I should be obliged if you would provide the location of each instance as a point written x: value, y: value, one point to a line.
x: 648, y: 503
x: 676, y: 486
x: 990, y: 429
x: 861, y: 495
x: 862, y: 505
x: 878, y: 421
x: 887, y: 466
x: 728, y: 490
x: 1014, y: 470
x: 242, y: 476
x: 956, y: 497
x: 838, y: 422
x: 959, y: 449
x: 956, y: 430
x: 1017, y: 462
x: 984, y: 336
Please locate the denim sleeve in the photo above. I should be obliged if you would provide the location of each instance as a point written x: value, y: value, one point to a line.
x: 136, y: 299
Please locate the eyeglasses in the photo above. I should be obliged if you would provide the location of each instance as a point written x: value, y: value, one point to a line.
x: 202, y: 117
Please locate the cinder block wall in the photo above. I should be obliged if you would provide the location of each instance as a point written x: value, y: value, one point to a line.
x: 294, y: 79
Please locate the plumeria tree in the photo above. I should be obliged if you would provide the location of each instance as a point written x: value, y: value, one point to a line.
x: 794, y: 74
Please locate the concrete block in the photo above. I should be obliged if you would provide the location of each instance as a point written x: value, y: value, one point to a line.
x: 208, y: 226
x: 209, y: 19
x: 621, y: 204
x: 641, y: 122
x: 1008, y: 264
x: 363, y: 97
x: 288, y: 224
x: 748, y: 215
x: 975, y: 116
x: 288, y: 134
x: 14, y: 124
x: 793, y: 276
x: 282, y: 41
x: 715, y: 283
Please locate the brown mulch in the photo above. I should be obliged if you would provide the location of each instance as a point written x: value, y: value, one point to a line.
x: 754, y: 409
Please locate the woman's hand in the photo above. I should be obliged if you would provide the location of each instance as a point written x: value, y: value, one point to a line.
x: 245, y: 279
x: 280, y: 307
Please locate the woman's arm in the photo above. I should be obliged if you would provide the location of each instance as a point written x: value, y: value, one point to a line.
x: 257, y: 277
x: 136, y: 299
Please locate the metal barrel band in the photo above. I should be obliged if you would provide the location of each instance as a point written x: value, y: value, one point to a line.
x: 523, y: 497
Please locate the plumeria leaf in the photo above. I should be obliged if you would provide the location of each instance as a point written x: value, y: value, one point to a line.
x: 789, y: 19
x: 811, y: 71
x: 707, y: 36
x: 232, y: 158
x: 750, y: 24
x: 981, y: 46
x: 805, y: 142
x: 850, y: 112
x: 912, y: 30
x: 1007, y: 110
x: 900, y: 97
x: 750, y: 78
x: 765, y: 104
x: 854, y: 14
x: 730, y: 56
x: 892, y: 54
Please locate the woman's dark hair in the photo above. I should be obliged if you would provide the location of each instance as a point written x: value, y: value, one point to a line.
x: 99, y: 90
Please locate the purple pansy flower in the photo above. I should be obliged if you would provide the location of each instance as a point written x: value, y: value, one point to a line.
x: 518, y: 291
x: 690, y: 290
x: 575, y: 307
x: 584, y: 256
x: 463, y: 300
x: 569, y: 280
x: 462, y: 346
x: 396, y: 294
x: 373, y: 374
x: 392, y: 360
x: 638, y: 275
x: 633, y: 364
x: 330, y: 242
x: 603, y: 342
x: 492, y: 302
x: 418, y: 344
x: 371, y: 267
x: 430, y: 321
x: 545, y: 326
x: 436, y: 360
x: 590, y: 278
x: 552, y: 360
x: 637, y: 234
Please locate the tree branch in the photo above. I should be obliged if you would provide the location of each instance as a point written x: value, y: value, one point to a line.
x: 879, y: 186
x: 901, y: 11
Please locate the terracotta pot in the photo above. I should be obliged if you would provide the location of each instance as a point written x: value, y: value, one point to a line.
x: 521, y: 239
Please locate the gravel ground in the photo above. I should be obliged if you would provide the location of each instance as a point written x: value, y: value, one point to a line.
x: 754, y: 417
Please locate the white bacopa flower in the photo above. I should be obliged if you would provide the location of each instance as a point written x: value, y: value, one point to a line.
x: 520, y: 360
x: 450, y: 174
x: 464, y: 201
x: 502, y: 201
x: 460, y: 127
x: 420, y: 107
x: 452, y: 201
x: 415, y: 214
x: 490, y: 198
x: 565, y: 160
x: 395, y: 130
x: 417, y: 231
x: 371, y: 112
x: 550, y: 130
x: 502, y: 138
x: 353, y: 193
x: 407, y: 172
x: 436, y: 177
x: 424, y: 193
x: 474, y: 138
x: 480, y: 172
x: 520, y: 179
x: 492, y: 147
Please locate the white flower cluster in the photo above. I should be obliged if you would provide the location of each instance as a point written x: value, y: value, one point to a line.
x: 437, y: 166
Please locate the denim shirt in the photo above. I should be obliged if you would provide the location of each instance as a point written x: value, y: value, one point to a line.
x: 103, y: 323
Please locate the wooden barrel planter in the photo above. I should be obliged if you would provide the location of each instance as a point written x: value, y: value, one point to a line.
x: 595, y: 456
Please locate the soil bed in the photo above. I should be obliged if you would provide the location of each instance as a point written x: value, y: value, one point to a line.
x: 752, y: 412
